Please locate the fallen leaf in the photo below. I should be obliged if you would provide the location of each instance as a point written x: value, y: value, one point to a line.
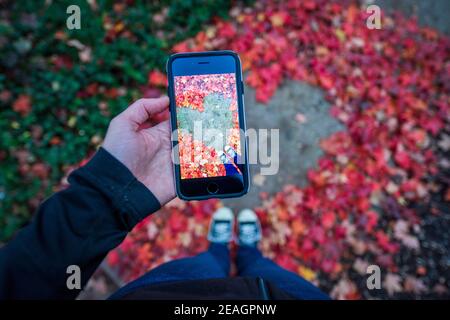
x: 300, y: 118
x: 345, y: 289
x: 444, y: 142
x: 157, y: 78
x: 22, y: 105
x: 414, y: 285
x: 306, y: 273
x: 258, y: 180
x: 392, y: 283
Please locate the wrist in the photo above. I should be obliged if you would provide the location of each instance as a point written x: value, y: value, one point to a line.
x: 133, y: 200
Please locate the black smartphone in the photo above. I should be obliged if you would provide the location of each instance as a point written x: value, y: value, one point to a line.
x: 208, y: 122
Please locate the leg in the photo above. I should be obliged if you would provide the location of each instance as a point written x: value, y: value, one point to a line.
x: 251, y: 263
x: 213, y: 263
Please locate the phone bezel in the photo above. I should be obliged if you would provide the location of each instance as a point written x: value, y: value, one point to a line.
x: 201, y: 183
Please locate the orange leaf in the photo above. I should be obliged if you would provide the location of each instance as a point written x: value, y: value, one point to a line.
x: 22, y: 105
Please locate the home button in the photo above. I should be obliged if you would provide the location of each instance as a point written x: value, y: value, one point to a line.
x: 212, y: 188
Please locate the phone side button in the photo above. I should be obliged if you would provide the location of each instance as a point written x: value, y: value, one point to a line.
x: 242, y: 86
x: 212, y: 188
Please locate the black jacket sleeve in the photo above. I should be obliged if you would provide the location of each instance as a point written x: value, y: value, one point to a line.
x: 77, y: 226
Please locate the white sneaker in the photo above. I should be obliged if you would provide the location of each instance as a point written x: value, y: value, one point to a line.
x: 249, y: 228
x: 221, y: 226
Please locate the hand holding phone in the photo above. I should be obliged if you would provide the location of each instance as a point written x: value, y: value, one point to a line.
x: 144, y: 150
x: 207, y: 112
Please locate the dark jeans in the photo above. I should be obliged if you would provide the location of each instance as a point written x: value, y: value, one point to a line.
x: 215, y: 263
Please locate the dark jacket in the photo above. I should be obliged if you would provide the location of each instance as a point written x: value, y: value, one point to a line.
x: 80, y: 225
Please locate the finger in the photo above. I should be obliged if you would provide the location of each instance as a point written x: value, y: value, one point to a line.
x: 142, y: 109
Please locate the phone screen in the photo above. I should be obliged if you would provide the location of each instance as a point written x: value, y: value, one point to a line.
x: 208, y: 125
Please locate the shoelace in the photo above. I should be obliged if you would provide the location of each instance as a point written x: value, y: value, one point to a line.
x: 248, y: 233
x: 221, y: 231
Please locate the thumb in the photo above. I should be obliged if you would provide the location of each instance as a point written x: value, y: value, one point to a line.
x: 142, y: 109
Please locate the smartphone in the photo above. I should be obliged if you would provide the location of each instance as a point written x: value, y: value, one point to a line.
x: 208, y: 125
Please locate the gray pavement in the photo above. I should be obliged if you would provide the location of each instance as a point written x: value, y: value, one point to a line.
x: 432, y: 13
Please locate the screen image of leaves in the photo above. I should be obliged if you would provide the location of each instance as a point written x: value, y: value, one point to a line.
x: 208, y: 100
